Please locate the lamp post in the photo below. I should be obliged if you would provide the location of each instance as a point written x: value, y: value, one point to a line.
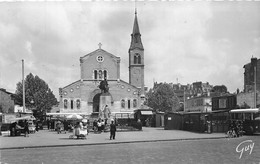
x: 255, y: 98
x: 23, y: 86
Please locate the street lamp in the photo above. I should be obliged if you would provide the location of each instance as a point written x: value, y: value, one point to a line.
x: 255, y: 98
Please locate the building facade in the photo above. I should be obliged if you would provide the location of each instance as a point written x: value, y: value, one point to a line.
x: 83, y: 96
x: 224, y: 102
x: 250, y: 96
x: 198, y: 104
x: 191, y: 90
x: 252, y: 75
x: 247, y: 99
x: 6, y: 101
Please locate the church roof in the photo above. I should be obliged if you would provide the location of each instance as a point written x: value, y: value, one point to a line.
x: 71, y: 84
x: 122, y: 81
x: 136, y: 41
x: 100, y: 51
x: 136, y: 26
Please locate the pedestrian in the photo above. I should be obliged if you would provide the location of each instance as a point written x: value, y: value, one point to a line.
x: 66, y: 126
x: 235, y: 128
x: 139, y: 124
x: 58, y: 127
x: 48, y: 124
x: 112, y: 130
x: 102, y: 125
x: 26, y: 129
x: 95, y: 126
x: 77, y: 129
x: 37, y: 126
x: 88, y: 125
x: 99, y: 126
x: 52, y: 125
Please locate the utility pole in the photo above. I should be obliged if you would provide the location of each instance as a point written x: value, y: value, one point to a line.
x: 184, y: 100
x: 255, y: 98
x: 23, y: 86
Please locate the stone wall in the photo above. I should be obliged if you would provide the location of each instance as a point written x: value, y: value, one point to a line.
x: 6, y: 102
x: 247, y: 98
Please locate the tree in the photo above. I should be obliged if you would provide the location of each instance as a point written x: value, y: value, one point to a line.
x: 162, y: 98
x: 220, y: 89
x: 38, y: 95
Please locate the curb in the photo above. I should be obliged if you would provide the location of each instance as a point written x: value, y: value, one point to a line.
x: 110, y: 143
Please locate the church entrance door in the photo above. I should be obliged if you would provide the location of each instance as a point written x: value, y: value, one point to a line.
x: 96, y: 100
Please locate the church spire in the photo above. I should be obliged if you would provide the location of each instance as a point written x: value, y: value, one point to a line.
x: 136, y: 41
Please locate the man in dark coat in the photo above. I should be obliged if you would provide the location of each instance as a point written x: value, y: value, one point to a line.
x: 112, y: 130
x: 26, y: 129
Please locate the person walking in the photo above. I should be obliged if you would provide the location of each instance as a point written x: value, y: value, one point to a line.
x: 112, y: 130
x: 102, y: 125
x: 99, y: 126
x: 37, y: 126
x: 26, y: 129
x: 95, y: 126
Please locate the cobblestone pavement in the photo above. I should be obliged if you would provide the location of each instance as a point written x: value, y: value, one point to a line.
x: 185, y: 151
x: 47, y: 138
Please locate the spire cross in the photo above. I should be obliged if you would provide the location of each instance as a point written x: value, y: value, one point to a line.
x: 99, y: 44
x: 135, y: 8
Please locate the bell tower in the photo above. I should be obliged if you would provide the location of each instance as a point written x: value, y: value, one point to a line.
x: 136, y: 58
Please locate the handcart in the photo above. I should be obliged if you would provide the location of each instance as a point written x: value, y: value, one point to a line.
x: 79, y: 134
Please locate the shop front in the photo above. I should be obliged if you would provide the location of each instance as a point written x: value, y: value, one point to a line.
x: 198, y: 122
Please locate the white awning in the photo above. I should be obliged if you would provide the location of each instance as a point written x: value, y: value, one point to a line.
x: 146, y: 112
x: 24, y: 118
x: 255, y: 110
x: 65, y: 114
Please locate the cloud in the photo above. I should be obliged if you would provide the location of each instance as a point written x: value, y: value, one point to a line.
x: 177, y: 42
x: 202, y: 41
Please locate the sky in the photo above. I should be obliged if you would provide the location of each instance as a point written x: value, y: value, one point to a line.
x: 183, y: 41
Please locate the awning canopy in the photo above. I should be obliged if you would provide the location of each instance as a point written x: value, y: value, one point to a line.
x: 146, y: 112
x: 65, y: 114
x: 24, y: 118
x: 255, y: 110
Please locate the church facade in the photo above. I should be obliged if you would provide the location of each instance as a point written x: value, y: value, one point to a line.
x: 83, y: 95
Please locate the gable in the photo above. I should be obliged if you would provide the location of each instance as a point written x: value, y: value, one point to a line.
x: 99, y: 60
x: 98, y: 52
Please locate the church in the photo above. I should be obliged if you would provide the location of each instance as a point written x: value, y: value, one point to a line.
x: 84, y: 95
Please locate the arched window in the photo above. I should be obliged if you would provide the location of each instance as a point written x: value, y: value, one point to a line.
x: 139, y: 59
x: 95, y: 74
x: 105, y: 74
x: 71, y: 104
x: 122, y: 103
x: 78, y: 104
x: 135, y: 59
x: 65, y: 104
x: 134, y: 103
x: 129, y: 101
x: 100, y: 74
